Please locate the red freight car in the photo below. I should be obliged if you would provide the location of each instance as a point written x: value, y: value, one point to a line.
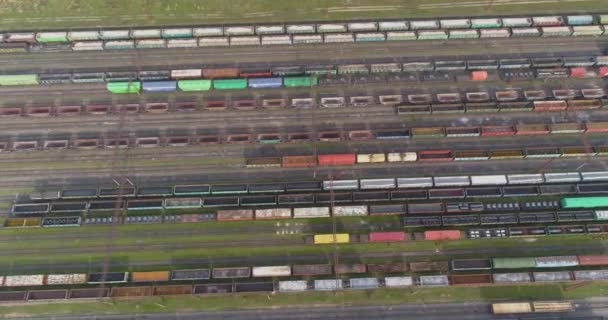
x: 337, y: 159
x: 435, y: 155
x: 395, y: 236
x: 442, y: 235
x: 593, y: 260
x: 487, y: 131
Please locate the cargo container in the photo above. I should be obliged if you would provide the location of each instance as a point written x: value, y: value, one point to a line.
x: 364, y: 283
x: 533, y: 178
x: 432, y: 35
x: 511, y: 307
x: 367, y: 184
x: 331, y: 238
x: 393, y: 25
x: 231, y: 273
x: 298, y: 39
x: 488, y: 180
x: 27, y: 37
x: 159, y: 86
x: 557, y: 128
x: 342, y: 268
x: 311, y: 269
x: 121, y: 87
x: 393, y: 282
x: 471, y: 279
x: 558, y: 306
x: 593, y: 260
x: 552, y: 276
x: 435, y: 155
x: 338, y: 38
x: 462, y: 131
x: 587, y: 31
x: 348, y: 211
x: 463, y: 34
x: 526, y: 32
x: 495, y: 33
x: 369, y: 37
x: 594, y: 176
x: 590, y: 275
x: 83, y: 35
x: 471, y: 155
x: 271, y: 271
x: 311, y: 212
x: 293, y: 286
x: 455, y: 23
x: 434, y: 281
x: 24, y: 281
x: 516, y: 22
x: 150, y: 276
x: 387, y: 268
x: 275, y: 40
x: 234, y: 215
x: 18, y: 80
x: 516, y: 277
x: 548, y: 21
x: 396, y: 236
x: 402, y: 157
x: 75, y: 278
x: 514, y: 263
x: 191, y: 274
x: 401, y: 35
x: 328, y: 284
x: 422, y: 182
x: 52, y: 37
x: 562, y: 177
x: 336, y: 159
x: 440, y: 235
x: 275, y: 213
x: 424, y: 24
x: 564, y: 31
x: 579, y: 20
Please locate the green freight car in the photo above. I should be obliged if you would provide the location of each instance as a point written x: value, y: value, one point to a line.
x: 194, y: 85
x: 584, y: 202
x: 230, y: 84
x: 18, y: 80
x: 300, y: 81
x: 124, y: 87
x: 513, y: 263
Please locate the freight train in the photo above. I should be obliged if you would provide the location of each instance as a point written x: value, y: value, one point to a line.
x: 195, y: 78
x: 304, y: 33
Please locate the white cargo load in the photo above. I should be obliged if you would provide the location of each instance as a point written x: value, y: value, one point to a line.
x: 340, y: 184
x: 594, y: 176
x: 362, y: 26
x: 516, y: 22
x: 300, y: 28
x: 331, y: 27
x: 424, y: 24
x: 393, y: 25
x: 213, y: 42
x: 311, y: 212
x: 274, y: 213
x: 315, y: 38
x: 559, y: 177
x: 208, y: 32
x: 489, y: 180
x: 533, y: 178
x: 114, y: 34
x: 434, y: 281
x: 364, y: 283
x: 455, y: 23
x: 177, y: 32
x: 83, y: 35
x: 402, y: 157
x: 239, y: 31
x: 276, y: 29
x: 339, y: 37
x: 245, y: 41
x: 270, y: 40
x: 525, y: 32
x: 23, y: 281
x: 186, y: 73
x: 423, y: 182
x: 145, y: 33
x: 75, y: 278
x: 182, y: 43
x: 452, y: 181
x: 392, y: 282
x: 377, y: 184
x: 21, y: 37
x: 349, y: 211
x: 328, y: 284
x: 87, y: 46
x: 151, y: 43
x: 295, y: 285
x: 271, y: 271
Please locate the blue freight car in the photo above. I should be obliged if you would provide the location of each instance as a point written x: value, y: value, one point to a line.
x: 159, y: 86
x: 264, y: 83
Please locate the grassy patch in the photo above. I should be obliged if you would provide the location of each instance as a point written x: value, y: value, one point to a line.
x: 34, y: 14
x: 344, y: 298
